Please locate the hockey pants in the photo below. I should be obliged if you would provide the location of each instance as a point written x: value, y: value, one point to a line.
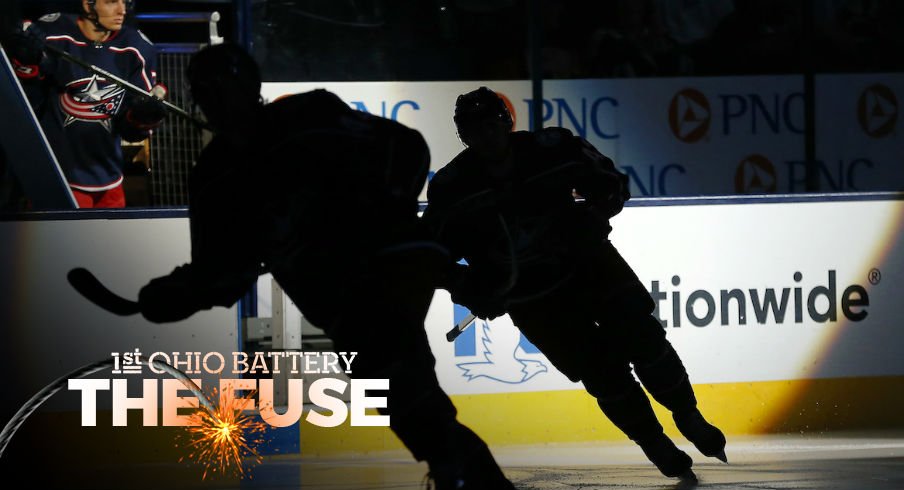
x: 596, y: 333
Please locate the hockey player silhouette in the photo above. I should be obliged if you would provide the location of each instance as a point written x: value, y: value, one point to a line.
x: 544, y: 257
x: 326, y: 199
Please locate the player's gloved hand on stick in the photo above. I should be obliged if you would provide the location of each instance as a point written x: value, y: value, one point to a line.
x: 615, y: 200
x: 26, y: 44
x: 485, y: 306
x: 608, y: 197
x: 168, y: 298
x: 147, y: 113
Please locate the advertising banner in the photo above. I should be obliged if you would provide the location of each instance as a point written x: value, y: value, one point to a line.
x: 680, y: 136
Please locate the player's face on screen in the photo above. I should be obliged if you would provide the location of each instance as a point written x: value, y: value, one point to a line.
x: 111, y: 13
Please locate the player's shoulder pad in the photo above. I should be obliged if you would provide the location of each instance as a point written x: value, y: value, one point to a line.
x: 51, y: 24
x: 411, y: 135
x: 445, y: 174
x: 442, y: 180
x: 323, y: 101
x: 552, y: 137
x: 464, y: 159
x: 305, y: 107
x: 132, y: 36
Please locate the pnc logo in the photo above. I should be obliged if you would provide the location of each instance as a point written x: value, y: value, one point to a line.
x: 510, y: 107
x: 689, y: 115
x: 755, y: 175
x: 877, y: 111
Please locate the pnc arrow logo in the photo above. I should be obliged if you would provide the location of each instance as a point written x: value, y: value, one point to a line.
x: 755, y: 175
x: 689, y: 115
x: 877, y: 111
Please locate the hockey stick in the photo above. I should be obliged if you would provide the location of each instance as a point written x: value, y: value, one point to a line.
x: 48, y: 391
x: 460, y: 327
x: 91, y: 288
x: 127, y: 85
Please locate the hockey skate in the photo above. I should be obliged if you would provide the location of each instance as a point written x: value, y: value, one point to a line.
x: 475, y: 471
x: 671, y: 461
x: 708, y: 439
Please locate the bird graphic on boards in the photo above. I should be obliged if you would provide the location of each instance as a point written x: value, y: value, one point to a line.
x: 504, y: 359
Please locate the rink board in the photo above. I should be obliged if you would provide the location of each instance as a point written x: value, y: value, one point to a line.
x: 838, y: 366
x: 809, y: 369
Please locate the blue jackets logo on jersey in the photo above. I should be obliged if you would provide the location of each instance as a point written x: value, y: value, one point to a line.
x: 501, y: 353
x: 90, y: 100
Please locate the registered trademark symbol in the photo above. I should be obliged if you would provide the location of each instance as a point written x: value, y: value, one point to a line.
x: 875, y: 277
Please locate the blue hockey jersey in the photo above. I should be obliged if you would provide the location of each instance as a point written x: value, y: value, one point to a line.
x: 82, y: 113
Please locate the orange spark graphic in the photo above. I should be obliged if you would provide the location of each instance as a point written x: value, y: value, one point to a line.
x: 221, y: 440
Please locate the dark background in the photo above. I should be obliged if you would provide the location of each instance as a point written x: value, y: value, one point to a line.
x: 336, y: 40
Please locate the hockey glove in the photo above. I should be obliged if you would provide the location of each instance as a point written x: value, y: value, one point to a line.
x: 613, y: 203
x: 26, y: 48
x: 169, y: 298
x: 146, y: 113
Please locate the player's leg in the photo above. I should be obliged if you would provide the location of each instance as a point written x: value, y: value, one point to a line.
x: 626, y: 317
x: 662, y: 373
x: 112, y: 198
x: 85, y: 200
x: 386, y: 328
x: 568, y: 337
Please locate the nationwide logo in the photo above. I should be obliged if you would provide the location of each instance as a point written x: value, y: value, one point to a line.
x: 755, y: 175
x: 877, y: 111
x: 496, y: 350
x: 823, y: 302
x: 91, y: 100
x: 689, y: 115
x: 510, y: 107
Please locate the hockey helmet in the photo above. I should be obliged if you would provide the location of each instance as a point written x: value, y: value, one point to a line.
x: 91, y: 13
x: 479, y: 105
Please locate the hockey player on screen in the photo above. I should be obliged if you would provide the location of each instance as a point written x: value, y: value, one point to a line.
x: 506, y: 204
x: 326, y: 199
x: 84, y: 115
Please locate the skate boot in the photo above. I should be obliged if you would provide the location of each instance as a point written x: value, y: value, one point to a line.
x: 475, y: 471
x: 708, y: 439
x: 671, y: 461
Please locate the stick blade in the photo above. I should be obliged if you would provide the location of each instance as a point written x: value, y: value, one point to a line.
x: 83, y: 281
